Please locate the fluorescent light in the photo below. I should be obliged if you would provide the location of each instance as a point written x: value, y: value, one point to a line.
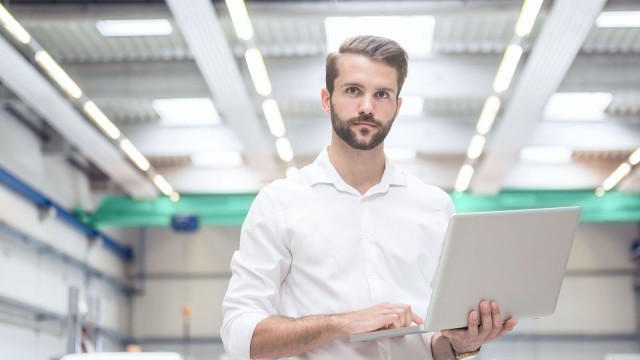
x: 475, y: 146
x: 285, y: 151
x: 618, y: 19
x: 134, y: 154
x: 175, y: 197
x: 577, y: 106
x: 217, y: 159
x: 413, y: 33
x: 55, y: 71
x: 162, y: 184
x: 258, y: 71
x: 400, y: 154
x: 600, y: 191
x: 546, y: 154
x: 274, y: 118
x: 292, y: 170
x: 623, y: 170
x: 488, y: 114
x: 187, y: 111
x: 240, y: 19
x: 412, y: 105
x: 147, y: 27
x: 634, y: 158
x: 98, y: 117
x: 464, y: 178
x: 507, y: 68
x: 13, y: 26
x: 527, y: 18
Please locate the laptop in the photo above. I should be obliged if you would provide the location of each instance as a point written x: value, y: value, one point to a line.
x: 517, y: 258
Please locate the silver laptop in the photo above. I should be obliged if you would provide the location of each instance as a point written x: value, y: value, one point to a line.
x: 517, y: 258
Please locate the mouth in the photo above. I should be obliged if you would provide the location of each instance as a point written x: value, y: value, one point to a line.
x: 365, y: 123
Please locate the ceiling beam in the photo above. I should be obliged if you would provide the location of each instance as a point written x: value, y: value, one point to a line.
x: 560, y: 39
x: 203, y: 33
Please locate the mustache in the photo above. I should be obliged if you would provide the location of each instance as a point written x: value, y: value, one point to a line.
x: 367, y: 119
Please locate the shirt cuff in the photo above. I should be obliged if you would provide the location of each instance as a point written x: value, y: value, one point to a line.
x: 238, y: 340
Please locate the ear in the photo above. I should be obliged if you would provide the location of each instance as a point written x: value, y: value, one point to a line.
x: 398, y: 108
x: 325, y: 97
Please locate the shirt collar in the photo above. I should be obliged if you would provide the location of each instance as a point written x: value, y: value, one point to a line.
x: 323, y: 172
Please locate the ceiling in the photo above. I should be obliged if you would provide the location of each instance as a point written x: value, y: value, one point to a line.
x: 203, y: 58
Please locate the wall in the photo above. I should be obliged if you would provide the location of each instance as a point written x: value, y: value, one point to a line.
x: 35, y: 278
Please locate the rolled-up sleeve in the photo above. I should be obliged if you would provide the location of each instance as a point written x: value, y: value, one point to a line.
x: 258, y: 268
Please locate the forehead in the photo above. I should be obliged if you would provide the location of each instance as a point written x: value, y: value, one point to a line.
x: 359, y: 68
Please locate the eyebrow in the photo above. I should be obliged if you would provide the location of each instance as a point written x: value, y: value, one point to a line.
x: 384, y: 88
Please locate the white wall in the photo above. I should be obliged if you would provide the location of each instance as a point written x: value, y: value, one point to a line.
x: 36, y: 278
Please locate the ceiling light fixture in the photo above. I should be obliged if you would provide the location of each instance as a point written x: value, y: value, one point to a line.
x: 274, y: 117
x: 135, y: 155
x: 187, y: 111
x: 60, y: 76
x: 258, y: 71
x: 464, y: 178
x: 475, y: 146
x: 175, y: 197
x: 413, y: 33
x: 144, y: 27
x: 577, y: 106
x: 98, y: 117
x: 546, y: 154
x: 634, y: 158
x: 507, y: 68
x: 527, y: 17
x: 488, y: 115
x: 240, y: 19
x: 285, y: 151
x: 162, y: 184
x: 618, y: 19
x: 13, y: 26
x: 623, y: 170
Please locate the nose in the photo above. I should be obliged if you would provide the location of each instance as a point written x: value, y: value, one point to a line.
x: 366, y: 106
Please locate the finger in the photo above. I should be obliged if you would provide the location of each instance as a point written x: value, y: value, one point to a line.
x: 472, y: 327
x: 485, y: 313
x: 496, y: 317
x: 508, y: 326
x: 416, y: 319
x: 407, y: 315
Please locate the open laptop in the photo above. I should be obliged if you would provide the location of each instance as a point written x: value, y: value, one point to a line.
x: 517, y: 258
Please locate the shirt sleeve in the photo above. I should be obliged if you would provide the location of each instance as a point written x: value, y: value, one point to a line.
x: 257, y: 270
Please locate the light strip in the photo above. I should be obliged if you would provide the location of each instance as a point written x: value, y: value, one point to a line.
x: 464, y: 178
x: 13, y: 26
x: 258, y: 71
x: 634, y: 158
x: 623, y: 170
x: 240, y: 19
x: 488, y: 115
x: 135, y: 155
x: 60, y: 76
x: 507, y: 68
x: 175, y: 197
x: 476, y: 146
x: 134, y: 27
x: 285, y: 151
x: 274, y: 117
x: 618, y: 19
x: 527, y: 18
x: 98, y: 117
x: 162, y: 184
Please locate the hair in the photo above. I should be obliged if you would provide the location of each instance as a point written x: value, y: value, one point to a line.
x: 373, y: 47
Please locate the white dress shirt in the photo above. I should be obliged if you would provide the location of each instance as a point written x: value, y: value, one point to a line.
x: 312, y: 245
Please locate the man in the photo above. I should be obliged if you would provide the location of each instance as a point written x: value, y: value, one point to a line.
x: 350, y: 243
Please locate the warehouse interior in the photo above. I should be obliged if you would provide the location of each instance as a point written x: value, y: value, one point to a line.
x: 129, y: 157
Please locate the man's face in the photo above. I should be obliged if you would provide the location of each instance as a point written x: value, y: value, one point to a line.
x: 363, y: 105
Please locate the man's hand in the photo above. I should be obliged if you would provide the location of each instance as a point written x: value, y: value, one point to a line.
x: 492, y: 328
x: 382, y: 316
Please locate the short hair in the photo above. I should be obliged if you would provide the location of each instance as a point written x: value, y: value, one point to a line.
x: 373, y: 47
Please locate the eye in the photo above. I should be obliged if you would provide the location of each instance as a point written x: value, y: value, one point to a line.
x: 382, y: 94
x: 351, y: 90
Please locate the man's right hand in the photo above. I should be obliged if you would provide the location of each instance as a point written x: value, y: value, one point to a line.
x: 377, y: 317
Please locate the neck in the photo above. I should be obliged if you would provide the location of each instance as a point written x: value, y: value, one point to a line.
x: 361, y: 169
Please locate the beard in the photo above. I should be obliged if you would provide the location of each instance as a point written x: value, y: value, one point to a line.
x: 343, y: 128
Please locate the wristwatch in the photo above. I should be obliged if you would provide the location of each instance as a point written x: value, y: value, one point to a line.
x: 466, y: 355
